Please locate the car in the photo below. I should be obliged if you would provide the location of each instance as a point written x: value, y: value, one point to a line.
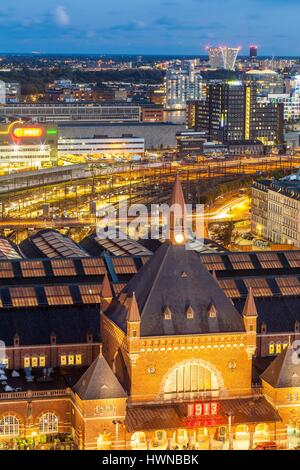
x: 266, y: 446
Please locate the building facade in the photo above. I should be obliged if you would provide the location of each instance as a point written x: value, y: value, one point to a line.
x: 181, y: 85
x: 91, y: 112
x: 232, y: 111
x: 171, y: 350
x: 223, y: 57
x: 275, y: 210
x: 102, y: 147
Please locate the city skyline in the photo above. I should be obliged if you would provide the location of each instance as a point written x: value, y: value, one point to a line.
x: 168, y: 27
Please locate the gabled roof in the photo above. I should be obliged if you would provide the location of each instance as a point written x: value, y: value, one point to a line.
x: 284, y: 371
x: 99, y: 382
x: 175, y: 277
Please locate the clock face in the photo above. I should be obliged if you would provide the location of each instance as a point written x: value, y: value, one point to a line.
x: 151, y: 370
x: 232, y: 365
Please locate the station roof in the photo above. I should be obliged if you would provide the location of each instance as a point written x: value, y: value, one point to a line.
x: 121, y: 246
x: 51, y: 244
x: 8, y: 250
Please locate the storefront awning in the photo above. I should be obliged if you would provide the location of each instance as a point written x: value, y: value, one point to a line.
x: 173, y: 416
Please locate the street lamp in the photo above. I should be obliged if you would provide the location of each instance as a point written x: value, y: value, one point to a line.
x: 230, y: 416
x: 117, y: 423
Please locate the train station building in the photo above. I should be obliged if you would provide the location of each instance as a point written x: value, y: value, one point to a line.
x: 128, y: 349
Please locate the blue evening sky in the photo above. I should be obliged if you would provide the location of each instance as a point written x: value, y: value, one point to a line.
x: 148, y: 26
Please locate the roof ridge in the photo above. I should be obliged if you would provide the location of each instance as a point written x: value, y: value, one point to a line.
x: 155, y: 279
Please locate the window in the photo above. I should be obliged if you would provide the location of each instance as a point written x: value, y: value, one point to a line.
x: 26, y: 362
x: 34, y: 361
x: 91, y: 294
x: 63, y: 360
x: 4, y: 361
x: 278, y: 348
x: 42, y: 361
x: 48, y: 424
x: 78, y: 359
x: 23, y: 297
x: 32, y: 269
x: 70, y: 360
x: 58, y: 295
x: 271, y: 349
x: 9, y: 426
x: 191, y: 377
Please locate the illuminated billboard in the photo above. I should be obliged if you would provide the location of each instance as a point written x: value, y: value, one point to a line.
x: 27, y: 132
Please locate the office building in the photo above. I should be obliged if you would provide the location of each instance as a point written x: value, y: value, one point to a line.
x: 102, y: 147
x: 223, y: 57
x: 182, y: 84
x: 253, y: 51
x: 276, y: 210
x: 43, y: 113
x: 232, y: 111
x: 290, y: 101
x: 265, y: 81
x: 190, y: 143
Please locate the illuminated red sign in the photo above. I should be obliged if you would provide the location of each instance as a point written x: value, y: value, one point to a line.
x: 203, y: 410
x: 28, y: 132
x: 204, y: 414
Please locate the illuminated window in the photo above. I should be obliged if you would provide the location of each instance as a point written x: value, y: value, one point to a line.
x: 271, y: 348
x: 71, y: 360
x: 48, y: 423
x: 190, y: 378
x: 42, y: 361
x: 23, y: 297
x: 9, y: 426
x: 4, y: 362
x: 58, y: 295
x: 34, y: 362
x: 26, y: 362
x: 278, y: 348
x: 78, y: 359
x: 63, y: 360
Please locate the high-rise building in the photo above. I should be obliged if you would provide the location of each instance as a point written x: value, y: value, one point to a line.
x: 233, y: 112
x: 223, y: 57
x: 182, y: 84
x: 253, y: 50
x: 290, y: 100
x: 266, y: 81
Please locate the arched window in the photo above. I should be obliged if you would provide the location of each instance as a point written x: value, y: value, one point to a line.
x: 48, y: 423
x: 271, y: 349
x: 9, y: 426
x: 190, y: 377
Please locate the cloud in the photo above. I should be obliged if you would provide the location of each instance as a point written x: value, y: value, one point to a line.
x: 61, y: 16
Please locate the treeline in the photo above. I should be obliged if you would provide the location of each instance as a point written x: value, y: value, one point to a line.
x: 34, y: 81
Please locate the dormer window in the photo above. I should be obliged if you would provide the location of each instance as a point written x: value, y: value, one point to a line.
x: 190, y: 314
x: 212, y: 311
x: 167, y: 314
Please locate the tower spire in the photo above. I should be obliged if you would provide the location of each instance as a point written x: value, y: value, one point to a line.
x: 106, y: 292
x: 250, y: 309
x: 133, y: 311
x: 178, y: 214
